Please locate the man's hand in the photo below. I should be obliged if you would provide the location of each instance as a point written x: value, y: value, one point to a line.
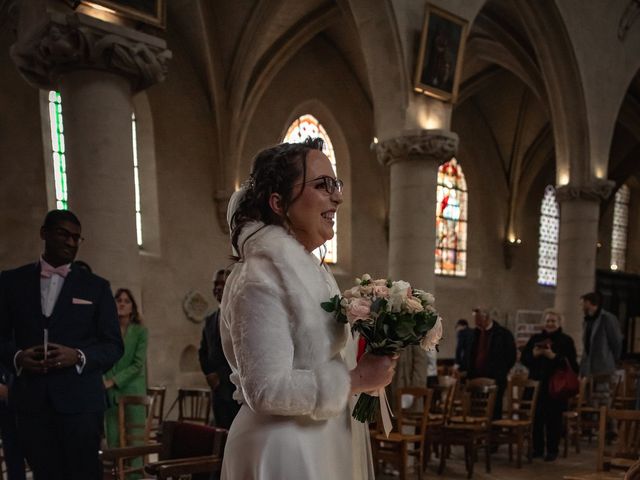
x: 60, y: 356
x: 4, y: 392
x: 31, y: 360
x: 213, y: 380
x: 108, y: 383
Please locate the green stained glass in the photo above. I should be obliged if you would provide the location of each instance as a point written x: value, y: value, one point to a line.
x: 58, y: 149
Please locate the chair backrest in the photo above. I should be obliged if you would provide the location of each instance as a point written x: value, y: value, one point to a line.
x: 415, y: 414
x: 479, y: 399
x: 157, y: 413
x: 194, y: 405
x: 131, y: 430
x: 627, y: 446
x: 183, y: 440
x: 634, y: 472
x: 443, y: 394
x: 522, y: 395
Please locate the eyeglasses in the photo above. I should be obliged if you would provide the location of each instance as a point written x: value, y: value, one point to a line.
x: 330, y: 184
x: 66, y: 234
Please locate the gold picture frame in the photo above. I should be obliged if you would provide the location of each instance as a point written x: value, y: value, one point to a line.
x: 152, y: 12
x: 439, y: 64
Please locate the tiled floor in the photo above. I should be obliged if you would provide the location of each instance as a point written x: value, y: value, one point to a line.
x: 501, y: 469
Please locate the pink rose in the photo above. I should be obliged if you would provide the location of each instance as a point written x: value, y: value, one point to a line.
x: 366, y: 290
x: 352, y: 292
x: 358, y: 309
x: 380, y: 282
x: 414, y: 305
x: 381, y: 291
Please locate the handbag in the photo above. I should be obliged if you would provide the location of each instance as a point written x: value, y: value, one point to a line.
x: 564, y: 383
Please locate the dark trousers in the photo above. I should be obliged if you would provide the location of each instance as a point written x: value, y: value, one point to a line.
x: 62, y: 446
x: 13, y: 456
x: 224, y: 411
x: 548, y: 420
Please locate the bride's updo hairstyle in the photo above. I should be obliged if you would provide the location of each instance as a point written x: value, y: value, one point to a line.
x: 275, y: 170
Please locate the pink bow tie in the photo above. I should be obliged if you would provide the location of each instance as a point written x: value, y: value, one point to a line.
x: 47, y: 270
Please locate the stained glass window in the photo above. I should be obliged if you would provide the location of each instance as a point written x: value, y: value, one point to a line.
x: 309, y: 126
x: 549, y: 234
x: 58, y: 150
x: 619, y: 230
x: 451, y: 220
x: 136, y: 180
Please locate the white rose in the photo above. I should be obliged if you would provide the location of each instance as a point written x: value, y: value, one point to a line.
x: 352, y: 292
x: 433, y: 336
x: 398, y: 295
x: 366, y: 277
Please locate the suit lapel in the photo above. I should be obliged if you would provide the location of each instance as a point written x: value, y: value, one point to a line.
x: 34, y: 299
x: 64, y: 299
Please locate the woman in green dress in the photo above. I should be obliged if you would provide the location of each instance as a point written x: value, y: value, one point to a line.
x: 128, y: 375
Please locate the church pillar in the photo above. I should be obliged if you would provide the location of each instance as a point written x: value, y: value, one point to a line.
x: 579, y: 218
x: 96, y: 66
x: 414, y: 159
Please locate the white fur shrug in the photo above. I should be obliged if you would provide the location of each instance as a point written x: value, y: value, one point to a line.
x: 283, y: 349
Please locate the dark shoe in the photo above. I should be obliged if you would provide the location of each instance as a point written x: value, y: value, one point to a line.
x: 550, y: 457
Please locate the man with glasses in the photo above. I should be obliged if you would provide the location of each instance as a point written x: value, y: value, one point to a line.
x: 58, y: 331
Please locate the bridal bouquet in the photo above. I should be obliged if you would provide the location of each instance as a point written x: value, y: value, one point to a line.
x: 390, y: 315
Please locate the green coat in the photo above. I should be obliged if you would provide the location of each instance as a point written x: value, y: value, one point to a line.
x: 130, y: 377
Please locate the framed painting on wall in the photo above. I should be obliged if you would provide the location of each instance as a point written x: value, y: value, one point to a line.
x: 152, y: 12
x: 440, y: 55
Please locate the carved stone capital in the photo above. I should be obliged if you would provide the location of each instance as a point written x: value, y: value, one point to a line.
x: 437, y: 145
x: 59, y: 42
x: 596, y: 191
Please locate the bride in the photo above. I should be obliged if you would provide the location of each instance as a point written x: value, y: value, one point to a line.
x: 293, y: 364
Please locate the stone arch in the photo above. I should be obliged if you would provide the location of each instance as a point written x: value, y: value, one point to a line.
x: 548, y: 35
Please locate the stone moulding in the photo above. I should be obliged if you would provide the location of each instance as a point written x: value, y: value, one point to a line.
x: 438, y: 145
x: 596, y: 191
x: 195, y: 306
x: 67, y: 42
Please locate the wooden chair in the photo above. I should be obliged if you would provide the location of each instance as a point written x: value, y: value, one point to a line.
x: 186, y: 449
x: 572, y: 418
x: 634, y: 472
x: 194, y: 405
x: 131, y: 434
x: 614, y: 462
x: 472, y: 429
x: 408, y: 441
x: 158, y: 393
x: 625, y: 395
x: 517, y: 427
x: 439, y: 412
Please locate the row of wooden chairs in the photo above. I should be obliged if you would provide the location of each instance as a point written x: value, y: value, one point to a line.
x: 448, y: 414
x: 194, y: 406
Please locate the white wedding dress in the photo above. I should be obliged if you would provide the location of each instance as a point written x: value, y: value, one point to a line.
x: 290, y: 363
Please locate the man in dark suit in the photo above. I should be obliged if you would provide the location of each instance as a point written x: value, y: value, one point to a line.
x: 58, y: 393
x: 492, y: 353
x: 214, y: 364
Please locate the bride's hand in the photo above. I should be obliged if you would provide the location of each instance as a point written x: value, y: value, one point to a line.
x: 373, y: 372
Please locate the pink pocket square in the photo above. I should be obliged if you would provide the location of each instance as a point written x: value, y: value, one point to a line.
x: 81, y: 301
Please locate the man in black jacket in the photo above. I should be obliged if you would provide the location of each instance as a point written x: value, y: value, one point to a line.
x: 214, y: 364
x: 491, y: 354
x: 57, y: 394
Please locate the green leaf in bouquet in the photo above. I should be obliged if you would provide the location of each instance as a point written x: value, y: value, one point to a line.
x: 333, y: 305
x: 378, y: 305
x: 405, y: 325
x: 341, y: 317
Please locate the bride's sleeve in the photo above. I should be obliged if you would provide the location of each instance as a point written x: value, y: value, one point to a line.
x: 264, y: 351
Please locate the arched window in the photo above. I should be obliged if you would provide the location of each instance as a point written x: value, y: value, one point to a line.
x: 451, y: 220
x: 619, y: 230
x: 58, y: 150
x: 549, y: 234
x: 309, y: 126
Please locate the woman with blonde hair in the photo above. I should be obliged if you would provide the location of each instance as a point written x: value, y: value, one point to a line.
x: 545, y: 353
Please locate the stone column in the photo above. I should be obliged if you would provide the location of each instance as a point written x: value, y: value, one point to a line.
x: 96, y: 66
x: 579, y: 218
x: 414, y: 159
